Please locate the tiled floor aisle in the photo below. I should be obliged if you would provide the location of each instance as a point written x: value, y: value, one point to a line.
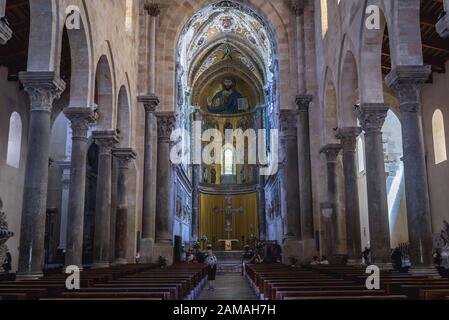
x: 229, y: 287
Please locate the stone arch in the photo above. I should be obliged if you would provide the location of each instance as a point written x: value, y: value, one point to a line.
x: 43, y: 36
x: 82, y: 73
x: 330, y: 108
x: 370, y: 52
x: 124, y: 117
x: 348, y: 90
x: 104, y: 94
x: 173, y: 21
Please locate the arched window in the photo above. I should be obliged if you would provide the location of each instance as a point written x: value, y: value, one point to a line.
x: 360, y: 155
x: 324, y: 18
x: 129, y: 15
x: 439, y: 137
x: 228, y: 162
x: 14, y: 140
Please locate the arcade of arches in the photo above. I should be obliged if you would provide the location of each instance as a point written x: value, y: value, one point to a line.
x: 87, y: 115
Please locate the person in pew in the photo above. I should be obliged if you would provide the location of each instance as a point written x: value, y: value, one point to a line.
x: 324, y: 261
x: 437, y: 258
x: 315, y: 261
x: 396, y: 258
x: 211, y: 262
x: 256, y: 259
x: 7, y: 263
x: 366, y: 256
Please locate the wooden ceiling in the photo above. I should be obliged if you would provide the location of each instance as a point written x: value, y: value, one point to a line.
x: 14, y: 54
x: 435, y: 49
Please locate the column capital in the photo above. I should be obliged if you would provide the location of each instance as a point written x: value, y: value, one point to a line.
x: 166, y: 122
x: 372, y: 116
x: 80, y: 119
x: 348, y: 137
x: 303, y: 102
x: 43, y: 88
x: 149, y: 101
x: 153, y: 9
x: 106, y: 139
x: 331, y: 151
x: 5, y: 31
x: 124, y: 156
x: 288, y: 122
x: 407, y: 81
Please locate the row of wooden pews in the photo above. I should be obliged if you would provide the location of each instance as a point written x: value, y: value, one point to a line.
x: 393, y: 283
x: 281, y: 282
x: 129, y: 282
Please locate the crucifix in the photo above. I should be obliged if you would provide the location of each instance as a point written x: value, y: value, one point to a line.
x: 228, y: 210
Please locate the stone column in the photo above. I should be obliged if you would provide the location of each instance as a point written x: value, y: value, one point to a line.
x: 372, y: 118
x: 124, y: 156
x: 196, y: 170
x: 65, y: 166
x: 150, y: 103
x: 42, y: 88
x: 407, y: 81
x: 262, y: 212
x: 80, y: 119
x: 305, y: 171
x: 442, y: 25
x: 153, y: 10
x: 106, y: 140
x: 166, y: 122
x: 288, y: 133
x: 348, y: 137
x: 331, y: 151
x: 5, y: 30
x: 298, y: 10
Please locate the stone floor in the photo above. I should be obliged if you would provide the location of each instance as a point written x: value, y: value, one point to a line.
x: 231, y: 286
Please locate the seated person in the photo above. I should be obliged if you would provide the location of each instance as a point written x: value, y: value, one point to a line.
x: 256, y: 259
x: 315, y: 261
x: 324, y: 261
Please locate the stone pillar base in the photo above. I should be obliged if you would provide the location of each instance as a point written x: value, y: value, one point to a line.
x: 302, y: 250
x: 119, y: 262
x: 101, y: 265
x: 5, y: 32
x: 165, y: 250
x: 146, y: 251
x: 383, y: 266
x: 354, y: 262
x: 29, y: 276
x: 442, y: 26
x: 429, y: 271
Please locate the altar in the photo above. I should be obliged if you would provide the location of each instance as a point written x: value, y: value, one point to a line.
x: 229, y: 244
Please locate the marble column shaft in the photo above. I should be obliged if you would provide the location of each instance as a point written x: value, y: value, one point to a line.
x: 150, y: 103
x: 106, y: 140
x: 372, y: 118
x: 289, y: 155
x: 42, y: 88
x: 153, y: 10
x: 348, y: 137
x: 80, y: 119
x: 196, y: 169
x: 305, y: 170
x: 164, y: 205
x: 407, y: 81
x: 331, y: 151
x: 125, y: 157
x: 262, y: 213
